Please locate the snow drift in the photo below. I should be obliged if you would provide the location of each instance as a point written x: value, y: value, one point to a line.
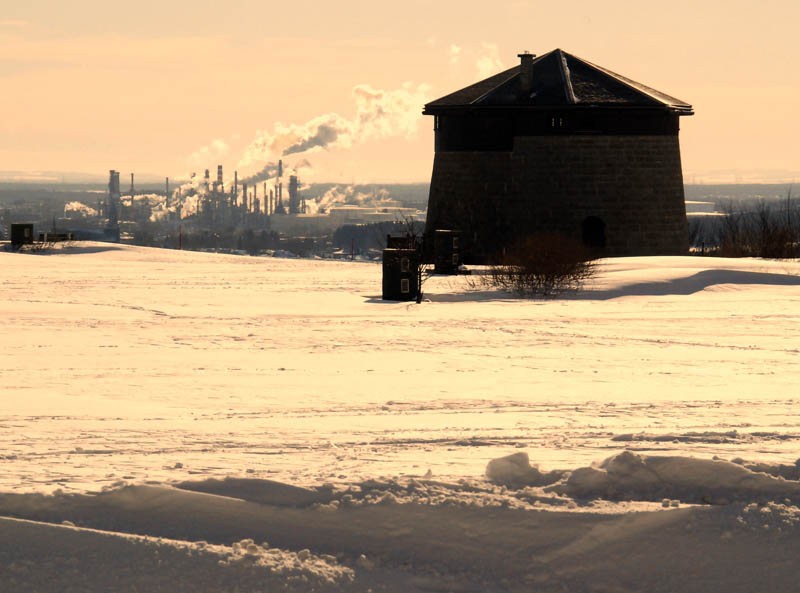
x: 631, y: 476
x: 628, y: 476
x: 178, y: 421
x: 393, y: 535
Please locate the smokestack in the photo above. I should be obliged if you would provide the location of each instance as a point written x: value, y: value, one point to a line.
x: 166, y: 195
x: 219, y: 175
x: 244, y: 196
x: 280, y: 168
x: 113, y: 198
x: 294, y: 202
x: 132, y: 189
x: 235, y: 185
x: 526, y: 72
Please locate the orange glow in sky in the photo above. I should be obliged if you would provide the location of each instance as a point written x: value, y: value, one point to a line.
x: 172, y: 87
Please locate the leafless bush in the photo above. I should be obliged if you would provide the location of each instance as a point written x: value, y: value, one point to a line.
x: 35, y: 247
x: 543, y: 265
x: 765, y: 230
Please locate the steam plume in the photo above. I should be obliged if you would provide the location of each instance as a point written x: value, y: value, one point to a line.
x: 78, y: 209
x: 212, y: 152
x: 337, y: 196
x: 379, y: 114
x: 270, y: 170
x: 455, y: 53
x: 489, y: 61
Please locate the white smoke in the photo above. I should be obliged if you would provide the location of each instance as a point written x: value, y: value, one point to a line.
x: 190, y: 205
x: 270, y: 171
x: 455, y: 53
x: 195, y: 185
x: 379, y: 114
x: 78, y: 209
x: 333, y: 196
x: 212, y: 152
x: 156, y: 203
x: 488, y: 62
x: 188, y: 195
x: 345, y: 196
x: 152, y: 200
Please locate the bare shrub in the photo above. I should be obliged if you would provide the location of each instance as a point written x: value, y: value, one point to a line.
x: 542, y: 265
x: 763, y: 230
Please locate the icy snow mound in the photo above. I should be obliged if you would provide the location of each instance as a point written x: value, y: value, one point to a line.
x: 49, y: 558
x: 390, y: 535
x: 628, y: 476
x: 386, y: 535
x: 260, y: 491
x: 516, y: 471
x: 631, y: 476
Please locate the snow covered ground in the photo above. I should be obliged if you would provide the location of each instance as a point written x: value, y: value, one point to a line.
x: 177, y: 421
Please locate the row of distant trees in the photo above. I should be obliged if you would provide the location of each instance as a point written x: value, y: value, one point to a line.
x: 762, y: 229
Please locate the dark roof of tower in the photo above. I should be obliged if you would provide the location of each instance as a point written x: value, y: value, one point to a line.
x: 560, y: 79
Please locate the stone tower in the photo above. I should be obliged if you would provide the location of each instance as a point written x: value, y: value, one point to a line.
x: 558, y: 144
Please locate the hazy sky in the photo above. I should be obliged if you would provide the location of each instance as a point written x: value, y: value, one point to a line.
x: 173, y: 86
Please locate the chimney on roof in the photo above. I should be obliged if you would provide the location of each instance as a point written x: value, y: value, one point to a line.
x: 526, y: 71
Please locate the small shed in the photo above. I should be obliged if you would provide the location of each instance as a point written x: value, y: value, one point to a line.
x: 21, y: 233
x: 446, y: 245
x: 400, y: 274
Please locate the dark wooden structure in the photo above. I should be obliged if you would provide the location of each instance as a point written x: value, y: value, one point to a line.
x: 558, y: 144
x: 21, y: 233
x: 401, y: 274
x: 403, y: 242
x: 445, y: 251
x: 54, y: 237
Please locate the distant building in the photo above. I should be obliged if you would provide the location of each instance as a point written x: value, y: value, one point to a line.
x: 558, y: 144
x: 340, y: 215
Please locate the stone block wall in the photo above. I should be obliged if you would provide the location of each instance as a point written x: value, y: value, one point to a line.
x: 634, y: 184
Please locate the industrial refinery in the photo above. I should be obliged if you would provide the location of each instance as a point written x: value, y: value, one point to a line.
x: 271, y: 211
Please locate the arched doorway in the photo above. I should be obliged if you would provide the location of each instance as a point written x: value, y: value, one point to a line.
x: 593, y: 232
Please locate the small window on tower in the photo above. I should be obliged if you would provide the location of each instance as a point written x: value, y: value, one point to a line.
x: 435, y: 122
x: 405, y: 265
x: 455, y: 242
x: 455, y: 259
x: 405, y: 285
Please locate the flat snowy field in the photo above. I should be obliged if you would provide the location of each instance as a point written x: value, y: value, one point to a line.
x: 178, y: 421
